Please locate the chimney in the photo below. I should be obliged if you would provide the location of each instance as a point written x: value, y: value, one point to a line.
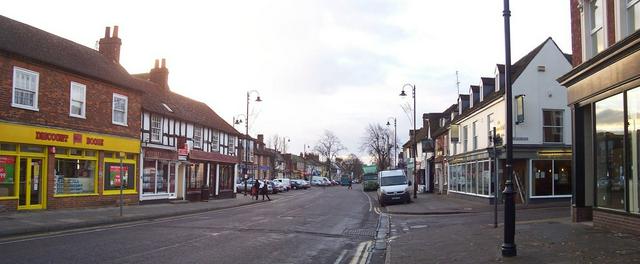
x: 261, y: 138
x: 160, y: 75
x: 109, y: 46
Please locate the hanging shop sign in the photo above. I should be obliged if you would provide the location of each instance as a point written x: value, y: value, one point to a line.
x: 64, y: 138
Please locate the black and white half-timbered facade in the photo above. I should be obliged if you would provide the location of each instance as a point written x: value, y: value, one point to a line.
x: 188, y: 151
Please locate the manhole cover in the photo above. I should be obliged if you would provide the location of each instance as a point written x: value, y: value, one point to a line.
x: 359, y: 232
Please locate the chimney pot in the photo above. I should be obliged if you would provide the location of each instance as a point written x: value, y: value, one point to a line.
x: 156, y: 64
x: 107, y: 32
x: 164, y: 63
x: 115, y: 31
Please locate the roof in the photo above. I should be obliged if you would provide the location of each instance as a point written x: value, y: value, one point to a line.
x: 488, y: 80
x: 32, y: 43
x: 447, y: 114
x: 475, y: 88
x: 182, y: 107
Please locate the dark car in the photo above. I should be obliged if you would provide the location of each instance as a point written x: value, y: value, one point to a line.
x: 295, y: 184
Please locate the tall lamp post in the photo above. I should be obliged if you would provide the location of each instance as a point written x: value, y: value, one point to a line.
x: 509, y: 245
x: 246, y: 133
x: 414, y: 147
x: 395, y: 140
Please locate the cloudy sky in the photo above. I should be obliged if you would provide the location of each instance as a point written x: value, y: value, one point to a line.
x: 337, y: 65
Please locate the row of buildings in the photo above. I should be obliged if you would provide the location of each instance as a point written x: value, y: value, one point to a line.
x: 576, y: 124
x: 75, y: 127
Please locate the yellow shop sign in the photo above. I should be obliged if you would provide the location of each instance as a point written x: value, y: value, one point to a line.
x: 63, y: 138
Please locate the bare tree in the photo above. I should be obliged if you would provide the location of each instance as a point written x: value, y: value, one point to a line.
x: 278, y: 143
x: 329, y: 146
x: 378, y: 144
x: 352, y: 165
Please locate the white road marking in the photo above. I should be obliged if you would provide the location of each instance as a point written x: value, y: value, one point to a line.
x: 339, y: 259
x: 360, y: 256
x: 368, y: 198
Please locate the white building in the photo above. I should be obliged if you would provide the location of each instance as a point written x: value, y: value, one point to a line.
x: 541, y: 130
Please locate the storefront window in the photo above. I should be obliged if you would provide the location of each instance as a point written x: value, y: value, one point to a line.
x: 159, y: 177
x: 7, y: 176
x: 8, y: 147
x: 562, y: 177
x: 114, y: 175
x: 633, y: 112
x: 542, y: 174
x: 149, y: 176
x: 609, y: 141
x: 226, y: 177
x: 195, y: 176
x: 74, y: 176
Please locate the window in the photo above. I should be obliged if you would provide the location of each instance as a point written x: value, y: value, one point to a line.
x: 633, y: 16
x: 633, y: 137
x: 552, y: 126
x: 158, y: 177
x: 465, y: 139
x: 75, y: 172
x: 550, y: 177
x: 490, y: 125
x: 77, y: 100
x: 475, y: 135
x: 609, y: 161
x: 197, y: 137
x: 156, y: 128
x: 25, y: 89
x: 596, y: 31
x: 8, y: 183
x: 231, y: 146
x: 215, y: 142
x: 119, y: 114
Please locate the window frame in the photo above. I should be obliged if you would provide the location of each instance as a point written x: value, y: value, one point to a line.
x: 197, y: 143
x: 36, y: 75
x: 158, y: 129
x: 465, y: 138
x: 84, y: 100
x: 474, y: 131
x: 544, y: 140
x: 113, y: 109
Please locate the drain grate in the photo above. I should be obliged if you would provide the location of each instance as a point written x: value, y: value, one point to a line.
x: 359, y: 232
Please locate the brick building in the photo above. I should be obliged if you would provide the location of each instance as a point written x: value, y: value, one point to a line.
x: 67, y: 112
x: 605, y: 105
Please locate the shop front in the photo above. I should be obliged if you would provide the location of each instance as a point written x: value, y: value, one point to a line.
x: 159, y: 175
x: 210, y: 175
x: 45, y: 168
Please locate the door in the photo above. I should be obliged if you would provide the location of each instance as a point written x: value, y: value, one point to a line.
x: 31, y: 193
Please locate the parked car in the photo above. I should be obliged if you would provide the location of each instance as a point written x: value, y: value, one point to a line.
x: 286, y: 182
x: 278, y: 186
x: 300, y: 184
x: 240, y: 186
x: 394, y: 187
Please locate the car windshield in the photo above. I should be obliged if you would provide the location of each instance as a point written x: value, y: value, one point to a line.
x: 369, y: 177
x: 393, y: 180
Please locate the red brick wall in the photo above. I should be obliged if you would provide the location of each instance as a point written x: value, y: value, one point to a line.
x: 576, y: 34
x: 616, y: 222
x: 581, y: 214
x: 53, y: 101
x: 611, y: 23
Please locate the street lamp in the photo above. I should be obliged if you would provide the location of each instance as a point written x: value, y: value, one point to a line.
x: 395, y: 140
x: 246, y: 133
x: 237, y: 119
x: 509, y: 245
x: 415, y: 154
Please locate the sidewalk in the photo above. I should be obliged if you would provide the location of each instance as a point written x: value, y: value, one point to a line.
x: 454, y: 230
x: 32, y: 222
x: 434, y: 204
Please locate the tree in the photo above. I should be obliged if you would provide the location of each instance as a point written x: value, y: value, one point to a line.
x: 277, y: 143
x: 329, y: 146
x: 378, y: 144
x: 352, y: 165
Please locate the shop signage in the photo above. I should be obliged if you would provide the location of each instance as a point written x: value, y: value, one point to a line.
x: 116, y: 178
x: 63, y: 138
x: 7, y: 166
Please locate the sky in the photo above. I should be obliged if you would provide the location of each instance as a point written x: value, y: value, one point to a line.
x: 336, y: 65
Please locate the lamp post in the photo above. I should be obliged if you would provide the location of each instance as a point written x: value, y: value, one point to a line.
x: 246, y: 133
x: 395, y: 140
x: 415, y: 154
x: 509, y: 245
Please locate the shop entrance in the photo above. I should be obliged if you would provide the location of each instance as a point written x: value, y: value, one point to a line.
x: 32, y: 179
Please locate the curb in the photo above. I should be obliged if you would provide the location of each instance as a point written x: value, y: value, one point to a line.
x: 431, y: 213
x: 5, y: 234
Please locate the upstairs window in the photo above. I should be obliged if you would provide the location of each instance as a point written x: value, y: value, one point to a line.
x: 156, y: 128
x: 25, y: 89
x: 215, y: 142
x: 596, y: 31
x: 197, y: 137
x: 633, y: 16
x: 552, y: 126
x: 119, y: 111
x: 465, y: 139
x: 77, y: 100
x: 475, y: 135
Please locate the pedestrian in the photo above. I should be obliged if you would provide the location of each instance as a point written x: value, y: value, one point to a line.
x: 255, y: 189
x: 350, y: 187
x: 264, y: 186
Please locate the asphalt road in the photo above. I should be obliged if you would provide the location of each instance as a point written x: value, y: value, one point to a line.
x: 331, y: 225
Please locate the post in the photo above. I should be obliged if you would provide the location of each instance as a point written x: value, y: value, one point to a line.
x: 509, y: 245
x: 395, y: 143
x: 495, y: 177
x: 415, y: 148
x: 121, y: 182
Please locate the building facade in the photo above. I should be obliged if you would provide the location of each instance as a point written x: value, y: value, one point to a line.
x: 541, y: 134
x: 605, y: 105
x: 69, y: 121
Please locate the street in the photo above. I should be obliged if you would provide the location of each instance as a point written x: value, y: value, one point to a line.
x: 321, y: 225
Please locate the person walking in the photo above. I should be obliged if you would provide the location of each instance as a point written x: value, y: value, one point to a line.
x: 255, y: 189
x: 264, y: 186
x: 350, y: 183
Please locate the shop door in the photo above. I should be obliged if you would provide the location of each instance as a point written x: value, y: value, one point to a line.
x: 32, y: 178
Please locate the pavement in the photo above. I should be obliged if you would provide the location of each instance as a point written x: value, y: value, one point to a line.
x: 33, y: 222
x: 445, y: 229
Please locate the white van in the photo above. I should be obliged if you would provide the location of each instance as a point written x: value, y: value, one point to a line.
x: 394, y: 187
x: 285, y: 181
